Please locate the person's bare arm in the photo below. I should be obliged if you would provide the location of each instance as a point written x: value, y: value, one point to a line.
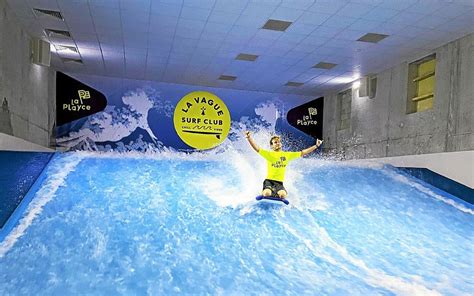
x: 251, y: 141
x: 312, y: 148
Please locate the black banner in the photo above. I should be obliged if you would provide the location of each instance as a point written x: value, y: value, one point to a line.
x: 308, y: 118
x: 75, y: 100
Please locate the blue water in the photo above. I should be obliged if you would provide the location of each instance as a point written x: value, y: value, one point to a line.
x: 19, y: 170
x: 177, y: 224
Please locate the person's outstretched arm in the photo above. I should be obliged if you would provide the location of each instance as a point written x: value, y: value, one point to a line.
x: 312, y: 148
x: 251, y: 141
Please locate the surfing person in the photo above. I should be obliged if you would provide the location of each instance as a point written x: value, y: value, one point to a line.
x: 277, y: 160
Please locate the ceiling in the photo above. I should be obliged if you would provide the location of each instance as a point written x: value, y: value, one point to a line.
x: 197, y: 41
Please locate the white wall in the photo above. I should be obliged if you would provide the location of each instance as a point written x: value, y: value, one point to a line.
x: 457, y: 166
x: 29, y: 89
x: 10, y: 143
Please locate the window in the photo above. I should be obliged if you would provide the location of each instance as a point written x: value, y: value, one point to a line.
x: 344, y: 100
x: 421, y: 84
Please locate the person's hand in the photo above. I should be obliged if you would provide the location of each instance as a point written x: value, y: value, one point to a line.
x: 247, y: 134
x: 319, y: 142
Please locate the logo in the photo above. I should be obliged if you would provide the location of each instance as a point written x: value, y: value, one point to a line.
x: 84, y: 94
x: 75, y: 99
x: 308, y: 117
x: 77, y: 104
x: 201, y: 120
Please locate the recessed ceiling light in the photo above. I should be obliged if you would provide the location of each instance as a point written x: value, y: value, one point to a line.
x: 295, y: 84
x: 43, y: 12
x: 227, y: 77
x: 325, y: 65
x: 372, y: 37
x: 246, y: 57
x: 276, y: 25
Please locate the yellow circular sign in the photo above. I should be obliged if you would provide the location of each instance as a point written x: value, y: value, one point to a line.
x: 201, y: 120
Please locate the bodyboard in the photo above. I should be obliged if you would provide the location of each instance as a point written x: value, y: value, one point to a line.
x: 272, y: 199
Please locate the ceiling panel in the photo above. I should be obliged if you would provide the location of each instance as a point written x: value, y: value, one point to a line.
x: 196, y: 41
x: 356, y: 10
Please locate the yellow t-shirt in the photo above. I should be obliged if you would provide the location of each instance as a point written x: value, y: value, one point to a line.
x: 277, y: 162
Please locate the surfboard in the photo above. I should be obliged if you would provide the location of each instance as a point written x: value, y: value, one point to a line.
x: 272, y: 199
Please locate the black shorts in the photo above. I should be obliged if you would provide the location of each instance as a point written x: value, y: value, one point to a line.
x: 273, y: 185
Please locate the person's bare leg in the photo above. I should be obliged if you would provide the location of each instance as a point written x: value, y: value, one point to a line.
x: 266, y: 192
x: 282, y: 194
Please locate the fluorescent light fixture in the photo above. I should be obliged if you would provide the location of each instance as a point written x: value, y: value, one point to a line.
x: 66, y: 49
x: 51, y: 13
x: 356, y: 84
x: 72, y: 61
x: 57, y: 33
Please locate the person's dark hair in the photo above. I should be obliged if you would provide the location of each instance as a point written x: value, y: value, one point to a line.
x: 272, y: 138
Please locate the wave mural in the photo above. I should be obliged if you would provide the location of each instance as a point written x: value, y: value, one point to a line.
x: 139, y: 116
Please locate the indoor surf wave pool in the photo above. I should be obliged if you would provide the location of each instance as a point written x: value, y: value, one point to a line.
x: 170, y: 223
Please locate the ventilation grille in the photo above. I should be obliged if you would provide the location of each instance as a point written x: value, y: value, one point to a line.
x: 372, y: 37
x: 324, y: 65
x: 57, y: 33
x: 227, y: 77
x: 276, y: 25
x: 53, y: 13
x: 294, y: 84
x: 246, y: 57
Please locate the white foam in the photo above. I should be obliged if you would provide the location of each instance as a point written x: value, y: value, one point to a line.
x: 58, y: 171
x: 403, y: 179
x: 241, y: 189
x: 225, y: 193
x: 374, y: 277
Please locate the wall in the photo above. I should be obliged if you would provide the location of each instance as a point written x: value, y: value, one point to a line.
x: 11, y: 143
x: 139, y: 116
x: 457, y: 166
x: 27, y: 91
x: 380, y: 127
